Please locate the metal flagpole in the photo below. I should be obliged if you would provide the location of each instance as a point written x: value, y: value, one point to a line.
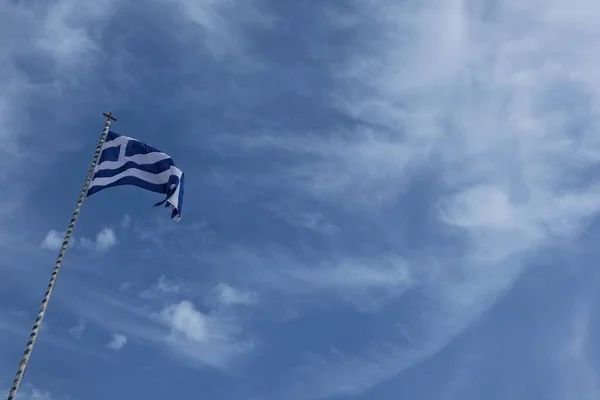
x: 63, y: 249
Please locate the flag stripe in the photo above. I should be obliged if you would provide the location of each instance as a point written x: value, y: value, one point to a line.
x: 156, y: 168
x: 130, y: 180
x: 140, y: 159
x: 157, y: 179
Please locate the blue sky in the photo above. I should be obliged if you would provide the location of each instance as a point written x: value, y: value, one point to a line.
x: 384, y: 199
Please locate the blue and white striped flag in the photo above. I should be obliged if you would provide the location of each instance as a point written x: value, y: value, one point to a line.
x: 126, y: 161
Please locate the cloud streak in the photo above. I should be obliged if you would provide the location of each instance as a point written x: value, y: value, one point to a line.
x: 200, y: 339
x: 484, y: 105
x: 163, y: 286
x: 576, y: 366
x: 31, y: 393
x: 78, y: 330
x: 223, y: 24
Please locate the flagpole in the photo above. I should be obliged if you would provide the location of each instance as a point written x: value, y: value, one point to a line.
x: 61, y: 254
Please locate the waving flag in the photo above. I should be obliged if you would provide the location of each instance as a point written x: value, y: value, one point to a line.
x: 126, y: 161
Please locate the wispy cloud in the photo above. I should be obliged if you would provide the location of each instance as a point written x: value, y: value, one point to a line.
x: 178, y: 328
x: 17, y: 324
x: 126, y: 221
x: 483, y: 105
x: 163, y: 286
x: 105, y: 239
x: 53, y: 240
x: 118, y: 342
x: 30, y: 393
x: 577, y: 367
x: 310, y: 219
x: 366, y: 283
x: 228, y: 295
x: 77, y: 330
x: 209, y: 338
x: 221, y: 21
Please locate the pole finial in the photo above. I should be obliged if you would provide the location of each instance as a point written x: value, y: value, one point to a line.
x: 109, y: 116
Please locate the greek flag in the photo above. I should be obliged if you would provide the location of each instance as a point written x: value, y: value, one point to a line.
x: 126, y: 161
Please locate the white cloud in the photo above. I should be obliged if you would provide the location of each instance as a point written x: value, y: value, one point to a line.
x: 312, y: 220
x: 222, y: 23
x: 228, y: 295
x: 27, y: 392
x: 367, y: 283
x: 36, y: 395
x: 347, y: 169
x: 198, y: 338
x: 126, y: 222
x: 576, y: 368
x: 118, y: 342
x: 185, y: 319
x: 77, y: 330
x: 209, y: 339
x: 125, y: 286
x: 166, y: 286
x: 87, y: 244
x: 53, y: 240
x: 162, y: 286
x: 105, y: 239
